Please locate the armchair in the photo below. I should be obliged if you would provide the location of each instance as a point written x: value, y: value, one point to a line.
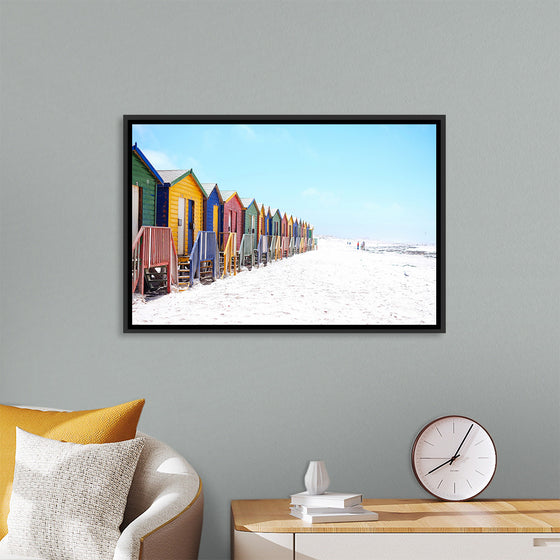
x: 163, y: 516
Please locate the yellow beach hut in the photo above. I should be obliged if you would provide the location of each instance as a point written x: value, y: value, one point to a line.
x: 262, y: 219
x: 291, y: 240
x: 185, y: 207
x: 303, y: 236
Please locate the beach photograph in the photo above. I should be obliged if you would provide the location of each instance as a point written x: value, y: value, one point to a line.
x: 284, y: 223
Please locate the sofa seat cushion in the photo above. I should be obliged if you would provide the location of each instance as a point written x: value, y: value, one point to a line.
x: 68, y: 499
x: 103, y: 425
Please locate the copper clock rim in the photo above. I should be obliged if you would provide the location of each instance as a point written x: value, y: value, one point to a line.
x: 414, y: 449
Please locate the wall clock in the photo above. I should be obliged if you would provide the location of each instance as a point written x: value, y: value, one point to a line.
x: 454, y: 458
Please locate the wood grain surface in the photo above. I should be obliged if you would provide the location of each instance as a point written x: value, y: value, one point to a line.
x: 409, y: 516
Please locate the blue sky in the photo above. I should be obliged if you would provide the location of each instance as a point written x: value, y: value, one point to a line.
x: 361, y: 181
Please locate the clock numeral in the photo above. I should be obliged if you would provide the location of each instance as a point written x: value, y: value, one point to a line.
x: 482, y: 474
x: 438, y: 432
x: 468, y: 483
x: 479, y: 442
x: 440, y: 483
x: 429, y: 443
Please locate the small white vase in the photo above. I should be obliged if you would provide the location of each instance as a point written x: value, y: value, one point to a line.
x: 316, y: 478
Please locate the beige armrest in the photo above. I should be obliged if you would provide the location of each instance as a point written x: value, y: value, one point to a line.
x: 178, y: 538
x: 163, y: 517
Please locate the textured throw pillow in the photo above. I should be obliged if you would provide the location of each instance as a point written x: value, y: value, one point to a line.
x: 68, y: 499
x: 103, y: 425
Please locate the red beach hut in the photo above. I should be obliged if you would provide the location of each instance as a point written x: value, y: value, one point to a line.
x: 233, y: 217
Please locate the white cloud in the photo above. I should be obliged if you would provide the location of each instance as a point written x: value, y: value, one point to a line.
x: 192, y: 163
x: 245, y: 131
x: 389, y: 210
x: 325, y: 198
x: 143, y: 134
x: 159, y: 160
x: 309, y: 152
x: 310, y: 192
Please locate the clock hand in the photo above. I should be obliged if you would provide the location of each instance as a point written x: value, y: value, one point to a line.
x: 439, y: 466
x: 460, y: 445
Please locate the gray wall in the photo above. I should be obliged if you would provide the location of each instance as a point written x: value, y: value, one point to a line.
x: 249, y: 412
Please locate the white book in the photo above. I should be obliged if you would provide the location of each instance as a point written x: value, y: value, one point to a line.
x: 311, y: 510
x: 328, y: 499
x: 364, y: 515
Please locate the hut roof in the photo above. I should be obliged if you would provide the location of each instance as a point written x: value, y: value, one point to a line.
x: 136, y: 150
x: 209, y: 187
x: 173, y: 176
x: 226, y: 195
x: 247, y: 202
x: 170, y: 175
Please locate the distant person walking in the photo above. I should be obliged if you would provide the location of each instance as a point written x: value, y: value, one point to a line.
x: 363, y: 245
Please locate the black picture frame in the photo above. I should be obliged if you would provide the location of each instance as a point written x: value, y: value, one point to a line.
x: 439, y: 121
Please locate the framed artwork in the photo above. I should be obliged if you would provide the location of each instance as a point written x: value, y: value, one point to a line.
x: 284, y: 223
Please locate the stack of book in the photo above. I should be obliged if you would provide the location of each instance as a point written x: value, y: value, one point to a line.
x: 330, y: 507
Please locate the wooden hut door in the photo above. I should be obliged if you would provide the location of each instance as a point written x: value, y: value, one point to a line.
x: 191, y: 224
x: 181, y: 227
x: 215, y: 220
x: 136, y: 210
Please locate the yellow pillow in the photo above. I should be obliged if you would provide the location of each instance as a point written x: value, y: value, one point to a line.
x: 104, y: 425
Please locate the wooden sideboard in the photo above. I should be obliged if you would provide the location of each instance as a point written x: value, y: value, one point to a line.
x: 406, y: 529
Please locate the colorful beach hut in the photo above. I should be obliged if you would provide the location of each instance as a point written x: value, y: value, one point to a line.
x: 250, y: 232
x: 233, y: 218
x: 310, y: 237
x: 284, y: 234
x: 303, y: 236
x: 262, y: 219
x: 291, y: 238
x: 250, y: 219
x: 268, y: 219
x: 145, y: 183
x: 154, y: 258
x: 214, y: 214
x: 181, y: 207
x: 275, y: 228
x: 262, y: 236
x: 276, y: 222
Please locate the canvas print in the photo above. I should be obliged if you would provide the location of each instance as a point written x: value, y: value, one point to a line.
x: 283, y: 223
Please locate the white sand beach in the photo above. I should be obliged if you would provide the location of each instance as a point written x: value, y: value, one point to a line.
x: 386, y: 284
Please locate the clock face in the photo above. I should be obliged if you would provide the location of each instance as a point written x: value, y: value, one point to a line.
x: 454, y: 458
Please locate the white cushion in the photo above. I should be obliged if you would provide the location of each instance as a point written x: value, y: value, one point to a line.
x: 68, y: 499
x: 3, y: 557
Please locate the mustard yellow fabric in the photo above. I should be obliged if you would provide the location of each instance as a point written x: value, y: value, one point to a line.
x: 104, y: 425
